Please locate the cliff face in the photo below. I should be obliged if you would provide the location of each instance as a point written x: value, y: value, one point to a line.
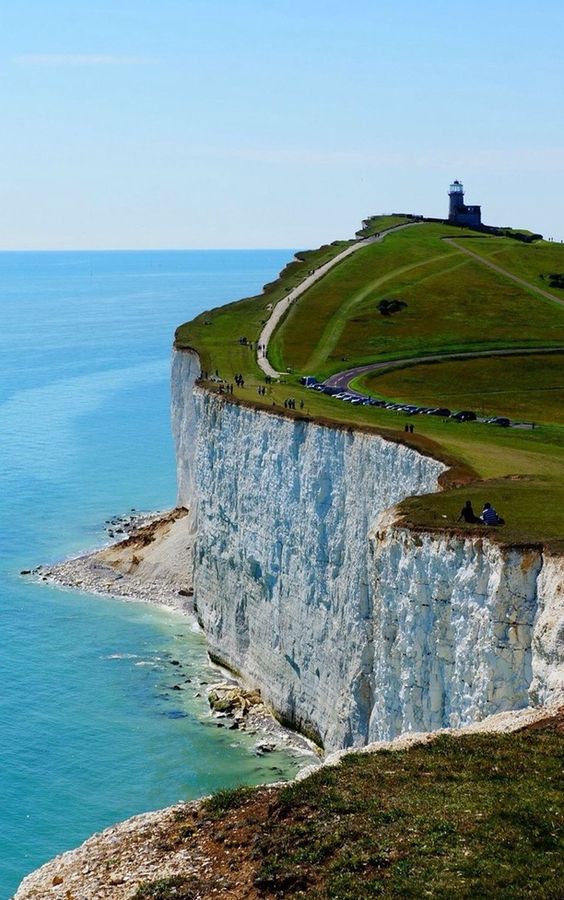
x: 453, y: 629
x: 352, y: 628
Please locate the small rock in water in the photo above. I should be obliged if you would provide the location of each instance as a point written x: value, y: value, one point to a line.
x: 25, y: 572
x: 176, y: 687
x: 174, y: 662
x: 265, y: 747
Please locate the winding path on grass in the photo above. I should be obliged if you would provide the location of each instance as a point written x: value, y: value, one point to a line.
x: 342, y: 380
x: 283, y: 305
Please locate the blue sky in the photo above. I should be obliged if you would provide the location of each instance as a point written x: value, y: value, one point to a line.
x: 257, y: 123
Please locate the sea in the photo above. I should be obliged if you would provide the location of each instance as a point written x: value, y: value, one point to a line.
x: 91, y: 731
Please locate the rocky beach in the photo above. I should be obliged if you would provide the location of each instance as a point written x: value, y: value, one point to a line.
x: 149, y: 559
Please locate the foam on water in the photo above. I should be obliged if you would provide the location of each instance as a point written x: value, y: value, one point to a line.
x: 90, y: 728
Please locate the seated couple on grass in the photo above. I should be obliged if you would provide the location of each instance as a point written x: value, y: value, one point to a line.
x: 488, y: 515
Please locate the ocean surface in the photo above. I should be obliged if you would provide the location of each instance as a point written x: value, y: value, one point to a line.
x: 90, y: 731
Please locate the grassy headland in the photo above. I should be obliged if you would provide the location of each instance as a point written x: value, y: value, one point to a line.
x: 453, y: 304
x: 473, y: 816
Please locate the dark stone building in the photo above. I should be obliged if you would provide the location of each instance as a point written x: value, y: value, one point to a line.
x: 458, y: 212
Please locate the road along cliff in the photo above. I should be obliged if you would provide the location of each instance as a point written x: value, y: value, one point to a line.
x: 353, y: 628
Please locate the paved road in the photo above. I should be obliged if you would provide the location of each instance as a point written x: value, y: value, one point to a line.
x: 342, y: 379
x: 283, y: 305
x: 502, y: 271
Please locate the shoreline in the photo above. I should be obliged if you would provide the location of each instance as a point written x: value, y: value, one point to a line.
x: 134, y: 567
x: 152, y: 563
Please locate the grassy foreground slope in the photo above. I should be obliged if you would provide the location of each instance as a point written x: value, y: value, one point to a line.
x: 453, y: 304
x: 473, y: 816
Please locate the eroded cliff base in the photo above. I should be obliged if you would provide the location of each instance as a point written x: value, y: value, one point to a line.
x: 154, y: 564
x: 476, y: 812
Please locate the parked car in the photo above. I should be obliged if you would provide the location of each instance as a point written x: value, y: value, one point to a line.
x: 308, y: 380
x: 499, y: 420
x: 439, y: 411
x: 465, y: 415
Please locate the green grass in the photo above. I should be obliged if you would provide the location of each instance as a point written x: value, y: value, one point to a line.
x: 528, y: 261
x: 216, y: 805
x: 453, y: 302
x: 478, y: 816
x: 470, y: 816
x: 215, y: 333
x: 519, y: 387
x: 454, y: 305
x: 531, y: 508
x: 376, y: 224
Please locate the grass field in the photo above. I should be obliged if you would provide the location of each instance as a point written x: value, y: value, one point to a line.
x: 529, y: 261
x: 215, y: 333
x: 454, y: 304
x: 527, y: 387
x: 376, y: 224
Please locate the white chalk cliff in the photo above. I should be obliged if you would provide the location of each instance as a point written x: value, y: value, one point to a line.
x: 354, y: 628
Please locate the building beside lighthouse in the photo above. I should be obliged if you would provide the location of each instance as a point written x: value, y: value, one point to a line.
x: 458, y: 212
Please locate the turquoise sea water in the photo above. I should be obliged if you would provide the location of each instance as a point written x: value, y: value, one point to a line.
x: 90, y: 732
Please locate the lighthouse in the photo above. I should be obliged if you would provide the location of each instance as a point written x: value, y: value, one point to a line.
x: 458, y: 212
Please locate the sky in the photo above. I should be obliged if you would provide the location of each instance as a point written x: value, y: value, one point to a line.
x: 273, y: 123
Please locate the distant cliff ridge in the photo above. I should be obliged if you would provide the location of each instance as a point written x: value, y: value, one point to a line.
x: 353, y: 629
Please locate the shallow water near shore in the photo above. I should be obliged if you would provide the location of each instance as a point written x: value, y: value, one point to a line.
x: 92, y: 729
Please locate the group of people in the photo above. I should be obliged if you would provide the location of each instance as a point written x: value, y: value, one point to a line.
x: 291, y: 403
x: 488, y: 516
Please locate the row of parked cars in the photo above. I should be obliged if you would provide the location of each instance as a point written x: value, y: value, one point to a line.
x: 464, y: 415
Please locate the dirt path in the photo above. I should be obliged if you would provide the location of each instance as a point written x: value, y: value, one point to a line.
x: 491, y: 265
x: 283, y: 306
